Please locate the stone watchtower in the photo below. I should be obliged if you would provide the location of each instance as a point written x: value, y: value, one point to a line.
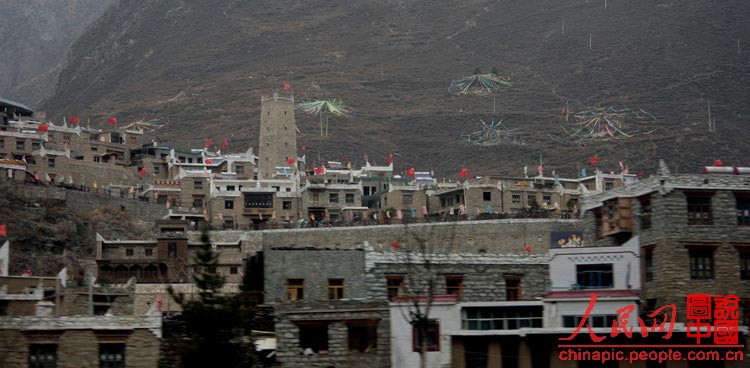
x: 278, y: 134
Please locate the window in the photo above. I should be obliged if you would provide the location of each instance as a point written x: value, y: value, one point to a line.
x: 172, y: 250
x: 198, y: 201
x: 744, y: 312
x: 336, y: 289
x: 20, y: 145
x: 547, y: 199
x: 286, y: 205
x: 295, y: 289
x: 66, y: 139
x: 407, y: 199
x: 512, y: 288
x: 129, y: 252
x: 94, y: 148
x: 156, y: 169
x: 743, y: 209
x: 228, y: 224
x: 97, y: 159
x: 111, y: 355
x: 502, y: 318
x: 394, y: 285
x: 333, y: 198
x: 530, y: 199
x: 648, y: 261
x: 431, y: 338
x: 233, y: 270
x: 598, y: 222
x: 744, y: 266
x: 454, y: 285
x: 604, y: 320
x: 701, y: 264
x: 35, y: 146
x: 487, y: 196
x: 316, y: 198
x: 230, y: 188
x: 258, y: 200
x: 42, y: 356
x: 239, y: 169
x: 2, y: 143
x: 699, y: 209
x: 594, y: 276
x: 366, y: 191
x: 198, y: 184
x: 51, y: 162
x: 645, y: 212
x: 149, y: 252
x: 608, y: 185
x: 229, y: 205
x: 313, y: 335
x: 363, y: 335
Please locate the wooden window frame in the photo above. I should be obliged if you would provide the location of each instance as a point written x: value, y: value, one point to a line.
x: 295, y: 290
x: 435, y: 332
x: 699, y: 208
x: 513, y: 290
x: 399, y: 288
x: 702, y: 262
x: 459, y: 290
x: 336, y: 291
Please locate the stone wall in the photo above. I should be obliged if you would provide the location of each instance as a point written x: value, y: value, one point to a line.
x: 315, y: 267
x: 491, y: 237
x: 83, y: 202
x: 78, y: 339
x: 336, y: 314
x: 483, y: 275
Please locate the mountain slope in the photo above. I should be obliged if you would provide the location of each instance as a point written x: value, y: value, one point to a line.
x: 203, y: 66
x: 34, y: 38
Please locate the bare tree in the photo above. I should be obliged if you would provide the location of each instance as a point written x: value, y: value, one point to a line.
x: 418, y: 255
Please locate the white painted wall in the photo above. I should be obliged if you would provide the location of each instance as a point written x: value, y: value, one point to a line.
x: 563, y: 261
x: 402, y: 354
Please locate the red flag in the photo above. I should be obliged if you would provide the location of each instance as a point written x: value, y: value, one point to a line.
x: 304, y: 149
x: 42, y: 128
x: 143, y: 171
x: 410, y: 172
x: 4, y: 230
x: 209, y: 161
x: 208, y: 143
x: 112, y: 121
x: 394, y: 244
x: 75, y: 120
x: 320, y: 170
x: 390, y: 159
x: 224, y: 145
x: 290, y: 160
x: 287, y: 86
x: 527, y: 248
x: 718, y: 163
x: 594, y: 160
x: 463, y: 173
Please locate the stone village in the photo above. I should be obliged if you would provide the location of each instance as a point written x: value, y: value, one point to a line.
x: 339, y: 254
